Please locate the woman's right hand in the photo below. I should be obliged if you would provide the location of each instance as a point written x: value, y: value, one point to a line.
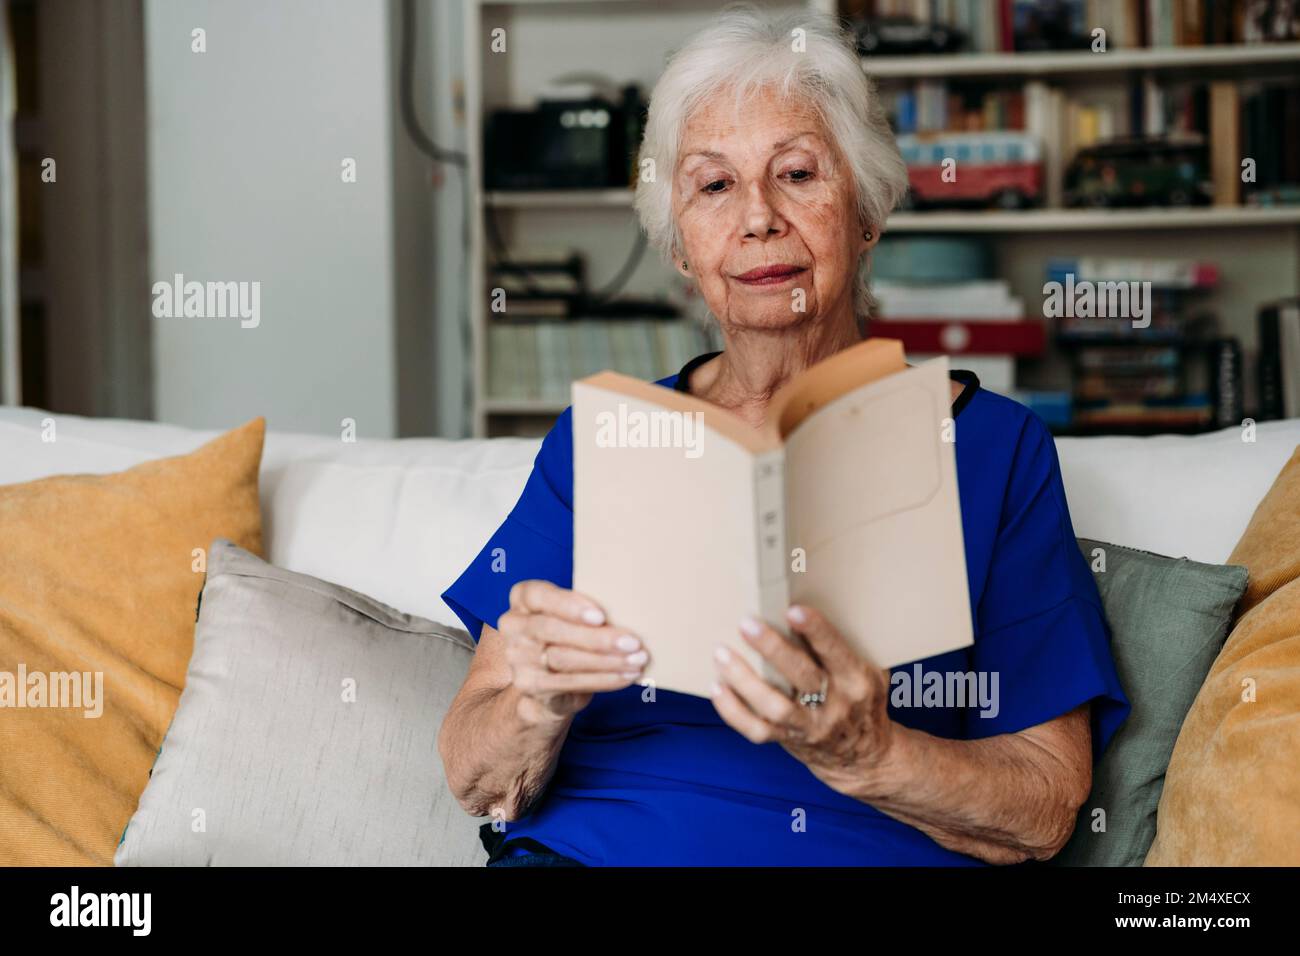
x: 561, y: 651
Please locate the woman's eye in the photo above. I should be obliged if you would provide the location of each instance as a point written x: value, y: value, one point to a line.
x: 721, y: 183
x: 799, y: 175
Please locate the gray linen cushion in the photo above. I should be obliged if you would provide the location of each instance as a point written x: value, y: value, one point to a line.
x: 306, y: 733
x: 1168, y: 619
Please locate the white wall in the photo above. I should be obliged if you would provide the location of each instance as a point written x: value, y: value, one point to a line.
x: 245, y: 146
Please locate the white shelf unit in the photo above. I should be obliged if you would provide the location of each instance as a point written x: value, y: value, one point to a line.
x: 1259, y: 247
x: 633, y: 37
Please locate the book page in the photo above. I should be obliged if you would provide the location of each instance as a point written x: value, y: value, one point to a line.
x: 666, y: 538
x: 871, y: 498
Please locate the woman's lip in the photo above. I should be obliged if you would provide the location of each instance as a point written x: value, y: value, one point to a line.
x: 770, y: 278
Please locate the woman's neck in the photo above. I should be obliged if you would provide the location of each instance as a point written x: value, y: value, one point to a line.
x: 755, y: 363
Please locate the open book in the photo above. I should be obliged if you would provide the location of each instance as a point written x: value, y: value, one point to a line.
x: 687, y: 518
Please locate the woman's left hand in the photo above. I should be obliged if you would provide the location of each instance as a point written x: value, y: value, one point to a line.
x: 839, y: 740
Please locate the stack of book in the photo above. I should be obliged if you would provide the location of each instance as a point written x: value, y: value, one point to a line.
x: 539, y: 283
x: 538, y: 360
x: 1132, y: 365
x: 978, y: 322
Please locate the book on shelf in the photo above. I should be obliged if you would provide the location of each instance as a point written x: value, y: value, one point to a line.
x: 1270, y: 136
x: 977, y: 300
x: 965, y: 337
x: 1127, y: 374
x: 1107, y: 386
x: 1162, y: 273
x: 1002, y: 26
x: 537, y: 360
x: 977, y: 322
x: 1225, y: 142
x: 1227, y: 389
x: 1279, y: 360
x: 1152, y: 415
x: 1107, y: 299
x: 845, y: 499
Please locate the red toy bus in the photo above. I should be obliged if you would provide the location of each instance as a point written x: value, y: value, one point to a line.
x: 1002, y: 169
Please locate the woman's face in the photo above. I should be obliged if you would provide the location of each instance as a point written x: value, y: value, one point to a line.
x: 766, y: 189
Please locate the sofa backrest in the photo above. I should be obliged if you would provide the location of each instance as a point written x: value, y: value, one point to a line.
x: 399, y: 519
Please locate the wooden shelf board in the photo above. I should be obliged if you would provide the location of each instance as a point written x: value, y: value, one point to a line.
x: 557, y: 198
x: 1094, y: 220
x: 1068, y: 62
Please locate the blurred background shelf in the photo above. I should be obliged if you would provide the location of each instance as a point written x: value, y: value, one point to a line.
x: 557, y: 198
x: 1166, y: 76
x: 1093, y: 220
x: 512, y: 406
x: 1068, y: 63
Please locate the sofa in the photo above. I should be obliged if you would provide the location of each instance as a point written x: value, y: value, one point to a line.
x: 398, y: 520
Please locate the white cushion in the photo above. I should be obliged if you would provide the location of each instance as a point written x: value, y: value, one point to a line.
x: 1183, y: 496
x: 401, y: 533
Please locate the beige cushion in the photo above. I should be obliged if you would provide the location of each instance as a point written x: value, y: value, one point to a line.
x: 307, y: 732
x: 99, y: 578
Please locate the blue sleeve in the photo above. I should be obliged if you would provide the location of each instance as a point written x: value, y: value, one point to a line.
x: 1039, y: 624
x: 535, y: 541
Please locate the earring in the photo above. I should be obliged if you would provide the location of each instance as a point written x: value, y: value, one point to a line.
x: 867, y: 235
x: 684, y: 265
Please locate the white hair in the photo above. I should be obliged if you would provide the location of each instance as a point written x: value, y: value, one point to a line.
x: 748, y: 51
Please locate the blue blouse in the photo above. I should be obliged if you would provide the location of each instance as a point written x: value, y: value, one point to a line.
x: 660, y: 779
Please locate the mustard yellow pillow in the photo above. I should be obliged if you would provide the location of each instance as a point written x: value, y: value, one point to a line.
x: 1230, y: 793
x: 98, y: 588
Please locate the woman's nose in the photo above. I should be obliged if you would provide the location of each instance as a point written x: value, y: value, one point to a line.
x: 761, y: 217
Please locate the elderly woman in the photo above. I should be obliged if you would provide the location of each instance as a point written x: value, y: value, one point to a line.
x: 769, y: 170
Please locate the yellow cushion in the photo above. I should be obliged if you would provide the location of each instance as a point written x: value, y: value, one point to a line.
x: 97, y: 576
x: 1230, y: 793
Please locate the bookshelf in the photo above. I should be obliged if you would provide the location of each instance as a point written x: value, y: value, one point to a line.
x: 1257, y: 247
x: 1171, y: 68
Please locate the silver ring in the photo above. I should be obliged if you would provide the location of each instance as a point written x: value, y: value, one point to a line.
x: 813, y: 701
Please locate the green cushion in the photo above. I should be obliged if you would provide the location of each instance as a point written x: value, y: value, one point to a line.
x: 1168, y: 619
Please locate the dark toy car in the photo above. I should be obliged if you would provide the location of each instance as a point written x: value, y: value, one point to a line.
x: 1140, y: 172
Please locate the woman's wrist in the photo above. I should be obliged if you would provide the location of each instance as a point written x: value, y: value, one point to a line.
x: 533, y: 715
x: 885, y: 773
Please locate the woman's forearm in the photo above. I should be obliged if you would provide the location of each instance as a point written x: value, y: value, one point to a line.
x: 499, y: 755
x: 1002, y: 799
